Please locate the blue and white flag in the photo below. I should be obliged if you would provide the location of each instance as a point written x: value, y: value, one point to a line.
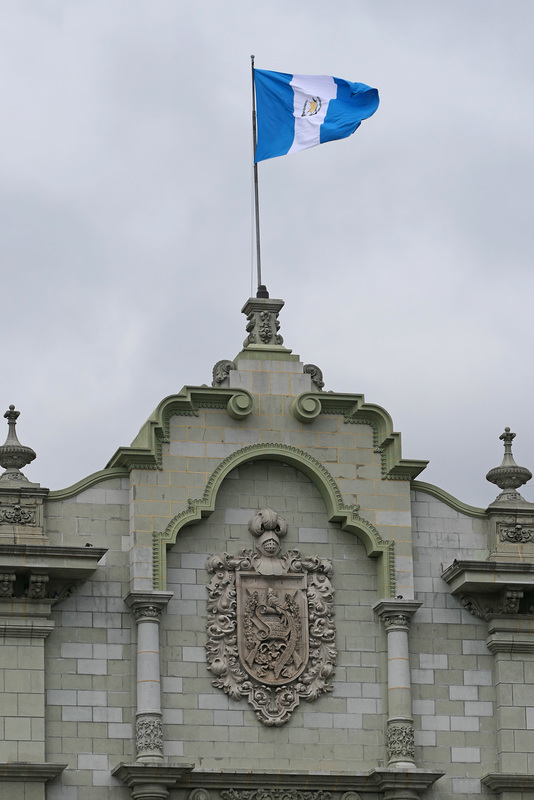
x: 295, y: 112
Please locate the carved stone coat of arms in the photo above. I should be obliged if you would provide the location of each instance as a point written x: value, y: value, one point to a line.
x: 270, y: 623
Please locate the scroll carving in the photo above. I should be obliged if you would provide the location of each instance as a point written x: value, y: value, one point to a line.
x: 221, y: 371
x: 316, y: 375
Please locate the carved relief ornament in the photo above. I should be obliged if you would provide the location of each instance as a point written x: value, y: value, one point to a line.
x: 7, y: 581
x: 270, y: 623
x: 400, y: 740
x: 275, y: 794
x: 506, y: 601
x: 393, y: 620
x: 17, y: 515
x: 518, y: 534
x: 147, y: 611
x: 149, y: 734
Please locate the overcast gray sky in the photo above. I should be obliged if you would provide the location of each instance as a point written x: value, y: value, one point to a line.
x: 404, y: 253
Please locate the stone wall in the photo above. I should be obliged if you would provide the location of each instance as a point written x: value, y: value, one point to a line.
x: 89, y: 670
x: 451, y: 668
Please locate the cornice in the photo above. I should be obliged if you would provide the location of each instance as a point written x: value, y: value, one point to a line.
x: 510, y: 633
x: 145, y: 450
x: 185, y: 776
x: 449, y: 500
x: 488, y: 576
x: 87, y: 483
x: 379, y: 779
x: 28, y: 628
x: 508, y: 782
x: 27, y: 771
x: 23, y: 490
x: 76, y: 561
x: 307, y: 407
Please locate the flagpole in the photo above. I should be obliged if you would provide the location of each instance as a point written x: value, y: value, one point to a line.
x: 256, y: 186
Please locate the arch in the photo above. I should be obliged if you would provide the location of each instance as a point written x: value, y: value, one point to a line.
x: 337, y: 511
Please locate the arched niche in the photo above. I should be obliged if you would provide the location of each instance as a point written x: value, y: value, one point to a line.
x: 337, y: 511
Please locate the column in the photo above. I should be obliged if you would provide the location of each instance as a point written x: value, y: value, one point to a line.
x: 147, y: 608
x: 396, y: 616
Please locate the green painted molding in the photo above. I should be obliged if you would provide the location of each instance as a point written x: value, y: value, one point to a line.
x: 87, y: 483
x: 337, y: 511
x: 145, y: 450
x: 449, y: 500
x: 355, y: 410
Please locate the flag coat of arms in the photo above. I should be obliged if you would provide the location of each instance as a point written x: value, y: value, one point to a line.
x: 295, y: 112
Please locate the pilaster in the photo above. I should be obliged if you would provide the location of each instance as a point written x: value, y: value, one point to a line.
x: 396, y: 616
x: 147, y: 608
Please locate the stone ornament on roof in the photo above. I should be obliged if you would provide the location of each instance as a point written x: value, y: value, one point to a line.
x: 262, y: 323
x: 509, y: 476
x: 13, y: 455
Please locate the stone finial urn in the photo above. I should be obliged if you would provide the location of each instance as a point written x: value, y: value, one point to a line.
x: 509, y: 476
x: 14, y: 455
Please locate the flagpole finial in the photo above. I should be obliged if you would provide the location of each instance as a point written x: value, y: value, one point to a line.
x: 262, y: 291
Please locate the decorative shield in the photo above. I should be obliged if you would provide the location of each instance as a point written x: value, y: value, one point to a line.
x: 272, y: 626
x: 271, y: 636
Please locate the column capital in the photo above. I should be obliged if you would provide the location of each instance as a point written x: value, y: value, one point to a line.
x: 396, y: 614
x: 147, y: 606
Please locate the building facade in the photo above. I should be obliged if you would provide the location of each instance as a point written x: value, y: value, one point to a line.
x: 259, y: 600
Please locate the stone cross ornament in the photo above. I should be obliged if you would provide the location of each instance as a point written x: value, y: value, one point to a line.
x: 271, y: 636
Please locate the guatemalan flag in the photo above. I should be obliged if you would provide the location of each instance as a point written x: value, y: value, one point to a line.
x: 295, y: 112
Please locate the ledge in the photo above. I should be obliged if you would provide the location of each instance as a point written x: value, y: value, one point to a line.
x: 27, y: 771
x: 69, y: 563
x: 31, y: 627
x: 512, y: 634
x: 22, y: 489
x: 375, y: 780
x: 488, y: 576
x: 508, y: 782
